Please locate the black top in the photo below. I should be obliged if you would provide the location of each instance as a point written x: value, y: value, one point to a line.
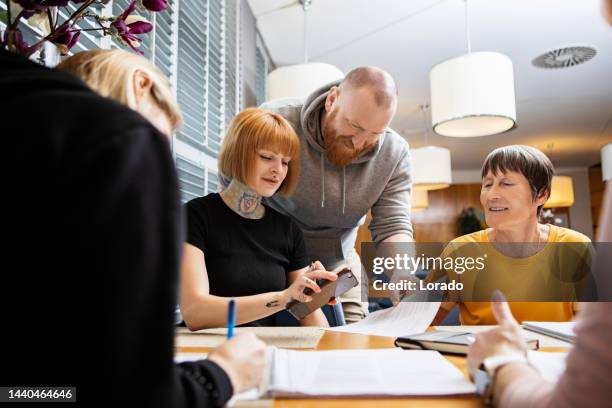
x: 93, y: 234
x: 244, y: 256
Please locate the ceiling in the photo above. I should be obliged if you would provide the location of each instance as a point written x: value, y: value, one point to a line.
x: 571, y: 107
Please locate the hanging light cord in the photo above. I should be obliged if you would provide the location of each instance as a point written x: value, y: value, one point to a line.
x: 467, y: 28
x: 305, y: 4
x: 424, y: 109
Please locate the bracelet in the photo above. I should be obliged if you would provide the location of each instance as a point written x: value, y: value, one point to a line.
x: 486, y: 374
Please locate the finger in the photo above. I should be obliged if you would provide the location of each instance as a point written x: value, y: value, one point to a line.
x: 333, y: 301
x: 394, y: 295
x: 321, y: 275
x: 473, y: 361
x: 318, y: 265
x: 311, y: 284
x: 304, y: 298
x: 501, y: 310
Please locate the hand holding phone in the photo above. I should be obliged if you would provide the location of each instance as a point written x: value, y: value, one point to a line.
x: 330, y: 289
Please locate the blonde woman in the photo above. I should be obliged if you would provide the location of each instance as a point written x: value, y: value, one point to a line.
x: 136, y: 249
x: 131, y: 80
x: 237, y: 246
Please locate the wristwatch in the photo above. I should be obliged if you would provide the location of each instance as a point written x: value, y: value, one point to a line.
x: 484, y: 378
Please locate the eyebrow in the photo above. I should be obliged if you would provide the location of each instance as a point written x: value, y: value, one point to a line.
x: 274, y: 153
x: 358, y: 126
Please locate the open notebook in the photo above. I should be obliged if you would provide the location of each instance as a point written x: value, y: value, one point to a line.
x: 378, y: 372
x: 446, y: 342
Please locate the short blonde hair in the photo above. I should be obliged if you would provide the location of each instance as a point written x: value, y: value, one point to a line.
x: 254, y: 129
x: 111, y: 74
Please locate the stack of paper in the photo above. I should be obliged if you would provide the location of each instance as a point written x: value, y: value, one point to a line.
x: 391, y: 372
x: 289, y: 337
x: 550, y: 365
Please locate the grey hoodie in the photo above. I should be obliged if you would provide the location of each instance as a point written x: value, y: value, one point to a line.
x: 331, y: 202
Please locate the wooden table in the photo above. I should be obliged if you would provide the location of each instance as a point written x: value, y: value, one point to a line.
x: 335, y: 340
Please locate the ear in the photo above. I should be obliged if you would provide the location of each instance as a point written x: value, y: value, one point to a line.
x: 142, y: 85
x: 542, y: 197
x: 332, y: 97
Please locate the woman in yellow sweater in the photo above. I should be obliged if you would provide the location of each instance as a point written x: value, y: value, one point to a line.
x: 521, y: 258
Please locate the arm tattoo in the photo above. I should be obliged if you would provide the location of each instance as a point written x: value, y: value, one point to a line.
x: 273, y: 303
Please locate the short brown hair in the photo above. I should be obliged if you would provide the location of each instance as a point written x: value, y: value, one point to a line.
x: 526, y: 160
x: 254, y: 129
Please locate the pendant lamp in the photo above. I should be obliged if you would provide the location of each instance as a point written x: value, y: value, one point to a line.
x: 473, y: 95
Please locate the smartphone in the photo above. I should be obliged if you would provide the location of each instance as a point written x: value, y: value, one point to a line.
x: 329, y: 290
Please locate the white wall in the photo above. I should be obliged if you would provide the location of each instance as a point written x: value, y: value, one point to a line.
x: 581, y: 218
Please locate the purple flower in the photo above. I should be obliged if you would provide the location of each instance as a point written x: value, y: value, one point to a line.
x: 18, y: 45
x: 65, y: 39
x: 126, y: 27
x: 155, y: 5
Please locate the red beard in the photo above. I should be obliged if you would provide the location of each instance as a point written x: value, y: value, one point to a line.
x: 339, y: 149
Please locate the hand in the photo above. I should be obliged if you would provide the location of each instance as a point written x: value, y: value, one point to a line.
x: 307, y: 280
x: 506, y: 339
x: 243, y: 360
x: 399, y: 276
x: 319, y: 265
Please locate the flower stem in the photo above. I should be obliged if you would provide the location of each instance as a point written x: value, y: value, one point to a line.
x: 92, y: 29
x: 13, y: 25
x: 8, y: 12
x: 50, y: 20
x: 75, y: 16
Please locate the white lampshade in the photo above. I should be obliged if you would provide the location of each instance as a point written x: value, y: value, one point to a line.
x: 561, y: 192
x: 431, y: 168
x: 419, y: 201
x: 606, y: 162
x: 300, y: 80
x: 473, y: 95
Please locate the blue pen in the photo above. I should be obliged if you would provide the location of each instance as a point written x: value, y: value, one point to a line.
x: 231, y: 318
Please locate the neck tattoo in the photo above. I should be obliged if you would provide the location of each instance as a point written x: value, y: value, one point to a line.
x: 248, y: 203
x: 242, y: 200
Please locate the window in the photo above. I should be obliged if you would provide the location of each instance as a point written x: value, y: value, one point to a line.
x: 208, y: 82
x: 196, y: 43
x: 261, y: 72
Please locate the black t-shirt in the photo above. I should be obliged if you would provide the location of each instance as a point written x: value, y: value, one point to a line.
x: 244, y: 256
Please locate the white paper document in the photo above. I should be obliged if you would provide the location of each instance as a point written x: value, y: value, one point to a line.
x: 380, y: 372
x: 550, y: 365
x: 401, y: 320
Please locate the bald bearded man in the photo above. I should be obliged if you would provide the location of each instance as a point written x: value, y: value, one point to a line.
x: 351, y: 162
